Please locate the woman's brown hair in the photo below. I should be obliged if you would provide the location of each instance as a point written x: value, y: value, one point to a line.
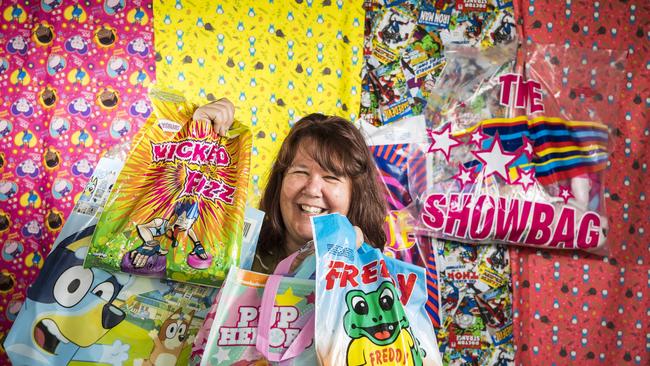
x: 338, y: 147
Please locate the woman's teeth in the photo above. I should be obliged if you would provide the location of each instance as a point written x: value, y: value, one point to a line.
x: 312, y: 209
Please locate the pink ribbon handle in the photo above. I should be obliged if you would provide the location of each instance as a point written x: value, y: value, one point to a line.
x: 300, y: 343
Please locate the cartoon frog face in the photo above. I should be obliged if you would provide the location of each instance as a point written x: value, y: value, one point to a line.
x: 377, y: 315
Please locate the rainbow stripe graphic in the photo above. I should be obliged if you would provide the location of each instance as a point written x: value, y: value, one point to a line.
x: 561, y: 149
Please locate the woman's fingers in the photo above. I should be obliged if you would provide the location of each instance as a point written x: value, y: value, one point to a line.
x: 359, y: 237
x: 221, y: 113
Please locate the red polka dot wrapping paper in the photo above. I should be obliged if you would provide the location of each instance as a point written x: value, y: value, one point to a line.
x: 74, y: 77
x: 572, y: 307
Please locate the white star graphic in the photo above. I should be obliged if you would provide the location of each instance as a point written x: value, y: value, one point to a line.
x: 527, y: 147
x: 565, y: 193
x: 496, y: 161
x: 526, y: 178
x: 223, y: 354
x: 464, y: 176
x: 477, y: 137
x: 443, y: 141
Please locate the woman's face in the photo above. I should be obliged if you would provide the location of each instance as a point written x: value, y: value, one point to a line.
x: 308, y: 190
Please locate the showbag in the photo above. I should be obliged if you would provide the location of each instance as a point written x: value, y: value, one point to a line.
x: 369, y: 308
x: 263, y: 319
x: 177, y: 208
x: 78, y: 315
x: 513, y: 161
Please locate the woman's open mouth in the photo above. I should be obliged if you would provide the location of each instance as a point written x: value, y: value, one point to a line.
x: 312, y: 210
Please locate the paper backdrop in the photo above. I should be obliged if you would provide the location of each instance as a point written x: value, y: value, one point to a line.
x: 73, y: 78
x: 276, y: 60
x: 573, y: 308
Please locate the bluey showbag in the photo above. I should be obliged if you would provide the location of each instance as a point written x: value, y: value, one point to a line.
x: 264, y: 319
x: 177, y: 208
x: 76, y: 315
x: 370, y: 308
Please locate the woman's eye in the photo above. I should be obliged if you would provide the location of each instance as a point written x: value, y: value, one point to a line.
x: 332, y: 178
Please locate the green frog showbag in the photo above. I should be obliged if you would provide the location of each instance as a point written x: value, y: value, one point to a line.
x: 177, y: 208
x: 369, y: 308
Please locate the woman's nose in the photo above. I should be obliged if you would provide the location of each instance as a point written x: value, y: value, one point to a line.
x: 313, y: 186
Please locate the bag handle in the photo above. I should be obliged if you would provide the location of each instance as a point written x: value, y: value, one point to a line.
x: 305, y: 270
x: 302, y: 340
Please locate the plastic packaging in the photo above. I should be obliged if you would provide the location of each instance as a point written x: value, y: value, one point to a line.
x: 370, y: 309
x: 72, y: 314
x: 178, y: 205
x: 513, y: 161
x: 262, y: 318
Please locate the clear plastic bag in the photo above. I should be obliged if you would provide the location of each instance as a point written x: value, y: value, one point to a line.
x: 518, y: 158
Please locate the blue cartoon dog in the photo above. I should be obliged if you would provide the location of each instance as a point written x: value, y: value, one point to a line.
x: 68, y: 309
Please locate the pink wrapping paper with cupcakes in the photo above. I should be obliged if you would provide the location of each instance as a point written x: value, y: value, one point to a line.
x: 177, y: 208
x: 513, y: 157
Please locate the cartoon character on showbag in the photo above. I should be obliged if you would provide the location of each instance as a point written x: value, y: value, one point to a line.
x: 67, y: 312
x: 169, y: 340
x: 379, y: 329
x: 152, y: 256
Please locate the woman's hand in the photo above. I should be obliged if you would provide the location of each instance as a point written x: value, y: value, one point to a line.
x: 359, y: 238
x: 221, y: 113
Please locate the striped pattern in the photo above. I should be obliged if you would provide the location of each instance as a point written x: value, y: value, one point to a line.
x: 433, y: 302
x: 562, y: 149
x: 391, y: 161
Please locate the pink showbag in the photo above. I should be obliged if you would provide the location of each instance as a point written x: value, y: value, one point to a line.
x: 263, y: 318
x: 517, y: 157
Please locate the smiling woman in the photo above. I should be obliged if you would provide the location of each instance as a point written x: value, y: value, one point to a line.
x: 323, y: 166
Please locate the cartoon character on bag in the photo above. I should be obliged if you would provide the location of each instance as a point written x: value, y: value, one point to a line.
x: 150, y: 253
x: 68, y: 309
x: 380, y: 332
x: 168, y: 342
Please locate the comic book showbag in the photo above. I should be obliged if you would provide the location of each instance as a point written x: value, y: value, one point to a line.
x: 518, y: 158
x: 178, y: 205
x: 76, y: 315
x: 390, y: 146
x: 264, y: 319
x: 370, y: 308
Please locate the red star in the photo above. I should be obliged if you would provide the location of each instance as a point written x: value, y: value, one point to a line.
x: 464, y: 176
x: 526, y: 178
x: 565, y: 193
x: 477, y: 137
x: 311, y: 298
x: 496, y: 160
x: 443, y: 141
x: 527, y: 147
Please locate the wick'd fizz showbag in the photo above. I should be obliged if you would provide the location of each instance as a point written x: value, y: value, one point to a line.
x: 177, y: 208
x: 369, y: 308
